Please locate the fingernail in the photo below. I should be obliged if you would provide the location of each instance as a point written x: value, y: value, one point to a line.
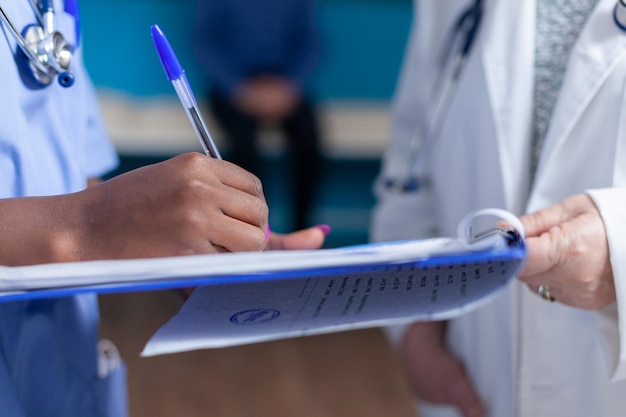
x: 324, y: 228
x: 267, y: 233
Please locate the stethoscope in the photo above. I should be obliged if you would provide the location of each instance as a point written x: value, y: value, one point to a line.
x: 619, y: 14
x: 48, y: 54
x: 454, y: 56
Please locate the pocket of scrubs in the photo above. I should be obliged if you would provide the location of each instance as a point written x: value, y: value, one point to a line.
x: 111, y: 385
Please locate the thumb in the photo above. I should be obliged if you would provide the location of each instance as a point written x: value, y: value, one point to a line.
x: 542, y: 253
x: 545, y: 237
x: 311, y: 238
x: 543, y: 220
x: 552, y: 248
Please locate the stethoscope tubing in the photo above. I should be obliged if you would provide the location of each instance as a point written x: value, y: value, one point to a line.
x: 445, y: 85
x: 619, y: 14
x: 22, y: 42
x: 452, y: 61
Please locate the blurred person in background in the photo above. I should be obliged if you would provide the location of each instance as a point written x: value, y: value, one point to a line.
x: 258, y: 57
x: 535, y: 124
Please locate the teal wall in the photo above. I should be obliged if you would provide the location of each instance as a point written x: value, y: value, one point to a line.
x: 363, y: 43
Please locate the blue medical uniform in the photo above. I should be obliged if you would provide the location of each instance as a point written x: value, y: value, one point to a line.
x: 52, y: 140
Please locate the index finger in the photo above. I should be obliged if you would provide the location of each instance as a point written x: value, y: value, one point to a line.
x: 234, y: 176
x: 542, y: 256
x: 543, y: 220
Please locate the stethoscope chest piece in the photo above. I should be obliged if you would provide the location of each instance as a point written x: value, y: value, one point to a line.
x: 53, y: 56
x: 43, y: 53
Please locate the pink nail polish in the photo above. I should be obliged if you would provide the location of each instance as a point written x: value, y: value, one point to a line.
x: 324, y: 228
x: 267, y: 233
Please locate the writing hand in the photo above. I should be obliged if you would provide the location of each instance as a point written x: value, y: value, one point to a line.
x: 190, y: 204
x: 568, y: 251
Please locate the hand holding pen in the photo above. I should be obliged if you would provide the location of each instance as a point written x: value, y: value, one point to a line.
x: 186, y: 205
x: 312, y: 238
x: 176, y: 75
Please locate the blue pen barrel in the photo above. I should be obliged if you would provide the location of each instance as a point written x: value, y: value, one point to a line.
x: 176, y: 75
x: 185, y: 95
x: 188, y: 100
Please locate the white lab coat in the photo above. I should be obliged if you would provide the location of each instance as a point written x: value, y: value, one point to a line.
x: 527, y: 357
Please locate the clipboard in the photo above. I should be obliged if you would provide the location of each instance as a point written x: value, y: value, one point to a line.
x: 474, y: 246
x: 308, y: 292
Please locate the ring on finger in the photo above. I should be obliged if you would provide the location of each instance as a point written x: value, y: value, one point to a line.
x: 544, y: 292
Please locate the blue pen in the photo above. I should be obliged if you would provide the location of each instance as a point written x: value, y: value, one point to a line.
x: 176, y: 75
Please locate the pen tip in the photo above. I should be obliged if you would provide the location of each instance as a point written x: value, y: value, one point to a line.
x: 156, y: 29
x: 170, y: 63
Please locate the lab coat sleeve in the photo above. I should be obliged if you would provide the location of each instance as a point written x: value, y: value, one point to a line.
x: 611, y: 203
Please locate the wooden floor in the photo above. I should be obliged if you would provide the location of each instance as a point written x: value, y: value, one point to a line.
x: 343, y: 374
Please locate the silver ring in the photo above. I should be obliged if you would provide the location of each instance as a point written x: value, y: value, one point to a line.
x: 544, y: 292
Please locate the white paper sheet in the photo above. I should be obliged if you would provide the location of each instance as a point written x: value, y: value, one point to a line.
x: 226, y: 315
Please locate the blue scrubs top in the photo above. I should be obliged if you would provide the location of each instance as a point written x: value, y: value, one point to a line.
x: 52, y: 140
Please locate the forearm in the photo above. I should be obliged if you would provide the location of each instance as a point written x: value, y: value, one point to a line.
x: 39, y: 230
x: 187, y: 205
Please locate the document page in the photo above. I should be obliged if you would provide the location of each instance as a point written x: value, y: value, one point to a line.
x: 226, y: 315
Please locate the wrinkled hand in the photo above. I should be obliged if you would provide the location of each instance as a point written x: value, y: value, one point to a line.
x: 434, y: 374
x: 190, y: 204
x: 568, y: 251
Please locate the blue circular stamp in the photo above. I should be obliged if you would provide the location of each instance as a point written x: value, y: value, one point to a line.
x: 256, y: 316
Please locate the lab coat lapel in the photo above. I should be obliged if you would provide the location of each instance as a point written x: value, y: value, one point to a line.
x: 600, y: 47
x: 508, y: 57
